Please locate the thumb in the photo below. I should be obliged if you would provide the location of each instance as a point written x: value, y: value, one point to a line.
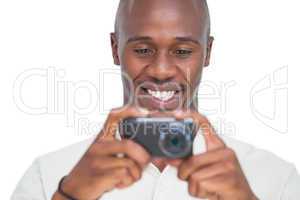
x: 212, y: 140
x: 111, y: 125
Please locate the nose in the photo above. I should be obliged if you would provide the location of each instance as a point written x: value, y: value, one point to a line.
x: 162, y: 68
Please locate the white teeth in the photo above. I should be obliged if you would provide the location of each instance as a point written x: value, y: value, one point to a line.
x: 163, y: 96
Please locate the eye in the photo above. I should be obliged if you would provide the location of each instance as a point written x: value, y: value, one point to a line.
x: 144, y: 51
x: 183, y: 52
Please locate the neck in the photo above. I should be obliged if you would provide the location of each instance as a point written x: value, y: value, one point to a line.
x: 160, y: 163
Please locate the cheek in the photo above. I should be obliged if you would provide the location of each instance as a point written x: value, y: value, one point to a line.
x: 192, y: 70
x: 131, y: 65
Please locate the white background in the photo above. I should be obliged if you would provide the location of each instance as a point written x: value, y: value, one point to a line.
x: 254, y: 40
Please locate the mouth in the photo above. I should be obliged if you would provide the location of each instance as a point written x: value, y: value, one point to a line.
x: 161, y: 97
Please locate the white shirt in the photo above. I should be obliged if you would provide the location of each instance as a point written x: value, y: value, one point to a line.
x: 269, y: 177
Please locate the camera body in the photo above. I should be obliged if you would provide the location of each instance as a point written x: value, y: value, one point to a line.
x: 161, y: 137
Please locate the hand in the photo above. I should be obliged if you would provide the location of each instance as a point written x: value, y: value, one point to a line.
x: 101, y: 168
x: 215, y: 174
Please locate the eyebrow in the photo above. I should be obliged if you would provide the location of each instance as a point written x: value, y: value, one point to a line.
x: 147, y: 38
x: 138, y: 38
x: 188, y: 39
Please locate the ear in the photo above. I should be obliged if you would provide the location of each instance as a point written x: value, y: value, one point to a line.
x: 208, y: 50
x: 114, y: 48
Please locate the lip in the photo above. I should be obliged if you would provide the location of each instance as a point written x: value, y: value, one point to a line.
x: 147, y: 100
x: 171, y: 86
x: 161, y: 102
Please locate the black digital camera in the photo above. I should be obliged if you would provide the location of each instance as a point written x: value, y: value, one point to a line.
x: 161, y: 137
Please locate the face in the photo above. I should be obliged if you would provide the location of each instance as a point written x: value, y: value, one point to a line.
x: 162, y: 47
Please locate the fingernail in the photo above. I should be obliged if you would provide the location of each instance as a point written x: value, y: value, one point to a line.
x: 144, y: 111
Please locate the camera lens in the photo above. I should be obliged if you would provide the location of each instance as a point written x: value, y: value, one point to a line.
x: 174, y: 142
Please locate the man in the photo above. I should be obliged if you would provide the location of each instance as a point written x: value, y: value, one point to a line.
x: 162, y: 47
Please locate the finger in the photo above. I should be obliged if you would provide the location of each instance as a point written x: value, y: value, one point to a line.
x: 126, y: 147
x: 214, y: 197
x: 115, y: 116
x: 214, y: 185
x: 203, y: 126
x: 113, y: 177
x: 201, y: 192
x: 192, y: 187
x: 196, y: 190
x: 193, y: 163
x: 209, y: 171
x: 212, y: 140
x: 108, y: 162
x: 125, y: 182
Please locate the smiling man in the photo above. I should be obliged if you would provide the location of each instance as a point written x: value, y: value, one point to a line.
x: 162, y: 47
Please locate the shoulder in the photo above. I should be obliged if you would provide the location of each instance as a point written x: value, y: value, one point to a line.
x: 54, y: 165
x: 255, y: 157
x: 65, y: 156
x: 269, y: 175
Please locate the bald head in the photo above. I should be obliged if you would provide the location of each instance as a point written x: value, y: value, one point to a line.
x: 193, y: 12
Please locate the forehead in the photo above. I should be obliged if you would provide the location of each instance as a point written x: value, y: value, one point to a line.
x: 162, y: 18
